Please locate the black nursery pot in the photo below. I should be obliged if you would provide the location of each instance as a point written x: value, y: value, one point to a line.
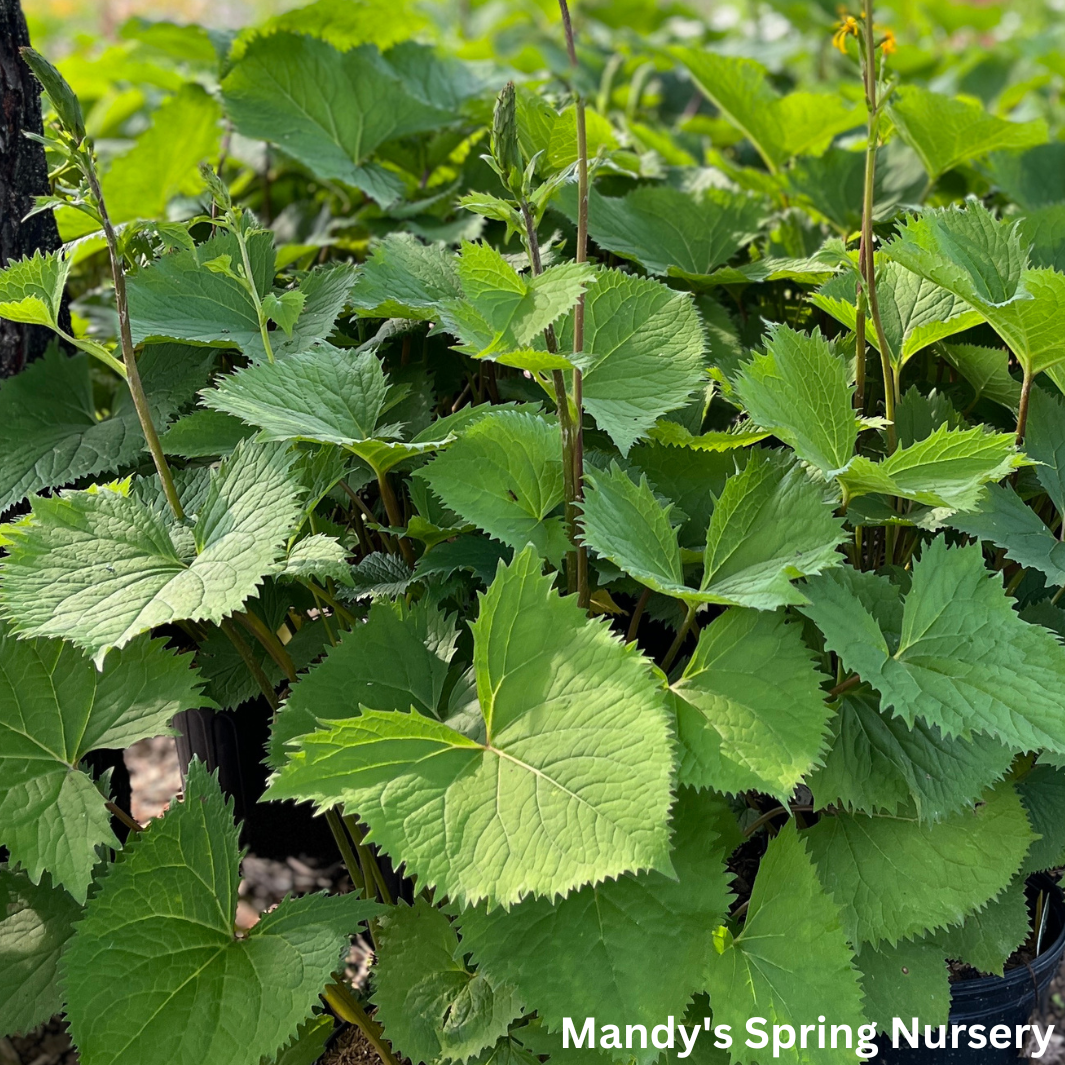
x: 991, y: 1000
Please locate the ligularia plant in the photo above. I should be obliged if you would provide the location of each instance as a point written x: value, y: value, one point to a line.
x: 657, y: 564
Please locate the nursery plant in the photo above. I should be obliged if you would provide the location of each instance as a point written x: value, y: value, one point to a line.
x: 628, y: 478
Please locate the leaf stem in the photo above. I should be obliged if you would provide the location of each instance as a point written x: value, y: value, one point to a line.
x: 637, y: 615
x: 271, y: 644
x: 254, y: 668
x: 395, y: 516
x: 1022, y: 410
x: 565, y: 418
x: 351, y: 862
x: 130, y: 822
x: 238, y: 232
x: 371, y: 870
x: 851, y: 682
x: 344, y: 1004
x: 583, y: 591
x: 682, y: 635
x: 866, y: 257
x: 129, y: 357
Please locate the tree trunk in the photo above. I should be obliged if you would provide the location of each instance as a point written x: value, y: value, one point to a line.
x: 23, y: 175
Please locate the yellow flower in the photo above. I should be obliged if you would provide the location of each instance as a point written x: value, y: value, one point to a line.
x: 846, y: 28
x: 888, y: 44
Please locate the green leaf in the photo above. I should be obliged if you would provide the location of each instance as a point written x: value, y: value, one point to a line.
x: 879, y: 764
x: 946, y: 131
x: 674, y: 435
x: 790, y: 960
x: 569, y: 784
x: 1044, y: 441
x: 405, y: 279
x: 284, y: 309
x: 770, y: 527
x: 1031, y: 326
x: 204, y: 434
x: 54, y: 709
x: 908, y: 980
x: 751, y: 714
x: 585, y: 955
x: 1045, y: 231
x: 35, y: 923
x: 432, y: 1007
x: 986, y: 938
x: 504, y: 475
x: 328, y: 396
x: 834, y: 183
x: 177, y: 297
x: 674, y: 233
x: 1042, y: 791
x: 985, y: 263
x: 796, y: 535
x: 895, y: 877
x: 642, y: 356
x: 396, y: 660
x: 307, y: 1046
x: 163, y: 162
x: 964, y: 661
x: 502, y: 311
x: 317, y: 557
x: 780, y: 127
x: 100, y: 567
x: 49, y: 431
x: 692, y: 478
x: 1033, y: 178
x: 145, y: 961
x: 948, y: 468
x: 914, y: 311
x: 59, y: 92
x: 625, y: 523
x: 987, y: 370
x: 799, y: 389
x: 1004, y: 519
x: 967, y: 252
x: 918, y: 416
x: 31, y: 290
x: 327, y: 109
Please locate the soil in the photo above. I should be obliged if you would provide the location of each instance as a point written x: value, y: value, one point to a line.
x: 351, y: 1048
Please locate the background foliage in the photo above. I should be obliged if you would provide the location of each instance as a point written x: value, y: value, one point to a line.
x: 679, y: 573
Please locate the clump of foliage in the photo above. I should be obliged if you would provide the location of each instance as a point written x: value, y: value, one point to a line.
x: 609, y: 481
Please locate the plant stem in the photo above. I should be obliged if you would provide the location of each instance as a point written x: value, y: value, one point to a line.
x: 1022, y: 410
x: 249, y: 660
x: 129, y: 357
x: 330, y: 600
x: 637, y: 615
x: 866, y: 257
x: 851, y: 682
x: 271, y: 644
x: 344, y: 1004
x: 371, y: 870
x: 131, y: 823
x: 682, y: 635
x: 253, y: 291
x: 583, y: 592
x: 859, y: 347
x: 767, y: 817
x: 565, y: 419
x: 395, y: 516
x: 351, y: 862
